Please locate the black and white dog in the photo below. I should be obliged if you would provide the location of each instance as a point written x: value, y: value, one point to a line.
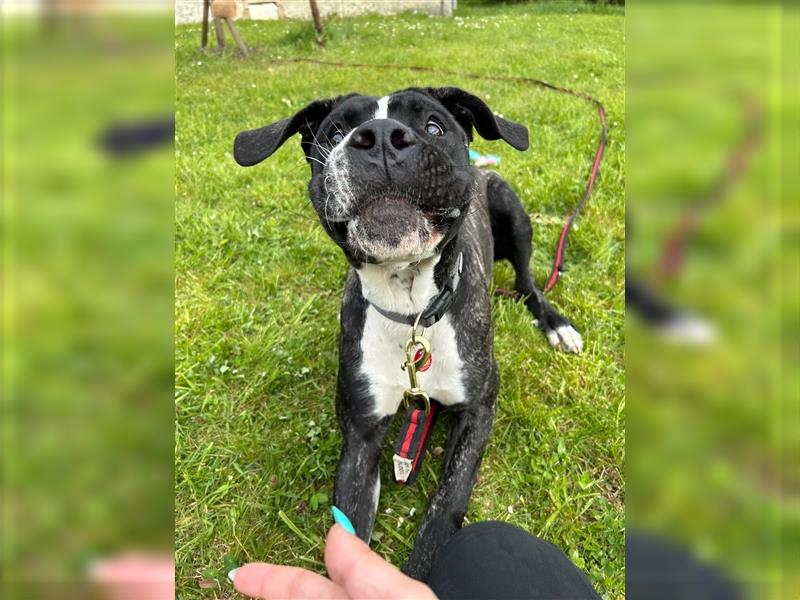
x: 420, y: 227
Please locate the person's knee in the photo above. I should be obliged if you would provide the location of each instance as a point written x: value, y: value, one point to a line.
x: 497, y: 559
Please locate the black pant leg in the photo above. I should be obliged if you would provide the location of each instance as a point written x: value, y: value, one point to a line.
x: 656, y: 569
x: 493, y: 559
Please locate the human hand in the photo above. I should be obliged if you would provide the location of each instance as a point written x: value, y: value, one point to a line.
x: 355, y: 571
x: 131, y: 576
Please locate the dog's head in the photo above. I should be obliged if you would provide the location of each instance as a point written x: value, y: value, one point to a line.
x: 390, y: 177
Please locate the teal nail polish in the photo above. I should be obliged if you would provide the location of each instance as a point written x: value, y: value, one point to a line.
x: 342, y: 520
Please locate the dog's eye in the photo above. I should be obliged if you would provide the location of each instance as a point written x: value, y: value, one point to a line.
x: 433, y: 128
x: 337, y: 138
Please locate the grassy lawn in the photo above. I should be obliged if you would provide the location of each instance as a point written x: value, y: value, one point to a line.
x: 707, y: 424
x: 258, y: 289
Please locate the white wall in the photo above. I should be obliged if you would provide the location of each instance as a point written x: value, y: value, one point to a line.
x: 191, y: 11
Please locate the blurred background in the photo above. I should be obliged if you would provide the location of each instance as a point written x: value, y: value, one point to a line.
x: 87, y: 426
x: 87, y: 295
x: 711, y: 337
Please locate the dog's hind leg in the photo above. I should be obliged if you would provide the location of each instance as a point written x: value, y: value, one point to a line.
x: 512, y: 232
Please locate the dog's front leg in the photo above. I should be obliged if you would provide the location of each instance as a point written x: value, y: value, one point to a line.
x: 468, y: 437
x: 358, y: 482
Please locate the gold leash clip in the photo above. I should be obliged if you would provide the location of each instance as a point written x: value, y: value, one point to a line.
x: 414, y: 393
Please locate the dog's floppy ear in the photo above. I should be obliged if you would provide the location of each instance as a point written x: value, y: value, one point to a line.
x: 471, y: 111
x: 253, y: 146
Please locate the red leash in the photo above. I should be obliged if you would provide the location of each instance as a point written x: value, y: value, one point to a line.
x: 674, y: 248
x: 412, y: 443
x: 558, y: 262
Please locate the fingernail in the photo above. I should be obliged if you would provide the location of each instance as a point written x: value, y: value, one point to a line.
x: 342, y: 520
x: 94, y: 568
x: 232, y: 574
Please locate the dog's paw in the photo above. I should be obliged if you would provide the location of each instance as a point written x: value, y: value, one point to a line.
x: 560, y: 332
x: 566, y: 338
x: 687, y: 329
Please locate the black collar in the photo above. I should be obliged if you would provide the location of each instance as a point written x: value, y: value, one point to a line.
x: 438, y: 305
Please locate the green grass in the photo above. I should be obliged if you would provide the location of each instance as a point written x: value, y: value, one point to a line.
x: 87, y: 302
x: 259, y: 284
x: 707, y: 424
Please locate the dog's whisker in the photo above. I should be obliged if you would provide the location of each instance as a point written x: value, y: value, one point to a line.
x: 322, y: 151
x: 328, y: 194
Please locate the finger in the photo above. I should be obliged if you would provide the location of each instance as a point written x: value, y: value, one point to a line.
x: 132, y: 576
x: 364, y: 574
x: 263, y: 580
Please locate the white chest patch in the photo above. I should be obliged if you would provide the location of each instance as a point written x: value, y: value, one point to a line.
x: 382, y: 348
x: 383, y: 341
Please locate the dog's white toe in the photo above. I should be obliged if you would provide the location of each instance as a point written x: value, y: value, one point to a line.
x: 689, y: 330
x: 568, y: 339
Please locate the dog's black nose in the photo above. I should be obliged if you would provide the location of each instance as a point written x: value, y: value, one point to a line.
x: 363, y: 138
x: 401, y: 137
x: 383, y: 134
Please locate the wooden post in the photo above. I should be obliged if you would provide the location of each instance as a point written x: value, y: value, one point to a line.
x: 206, y: 8
x: 317, y: 22
x: 220, y: 31
x: 236, y: 38
x: 50, y: 15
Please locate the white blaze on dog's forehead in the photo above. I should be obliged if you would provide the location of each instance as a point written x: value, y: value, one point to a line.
x: 383, y: 108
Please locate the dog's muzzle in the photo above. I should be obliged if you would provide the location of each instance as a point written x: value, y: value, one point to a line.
x: 388, y: 194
